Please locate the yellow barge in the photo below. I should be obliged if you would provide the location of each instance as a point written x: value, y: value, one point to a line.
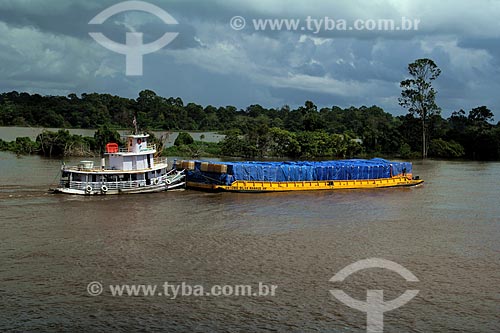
x: 297, y: 176
x: 260, y: 186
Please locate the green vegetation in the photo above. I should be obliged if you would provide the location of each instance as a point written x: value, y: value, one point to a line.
x: 22, y: 145
x: 62, y: 143
x: 419, y: 97
x: 194, y: 150
x: 256, y: 132
x: 446, y: 149
x: 184, y: 145
x: 282, y: 143
x: 183, y: 139
x: 104, y: 135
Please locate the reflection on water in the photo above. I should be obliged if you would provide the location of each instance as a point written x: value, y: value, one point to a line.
x: 446, y: 232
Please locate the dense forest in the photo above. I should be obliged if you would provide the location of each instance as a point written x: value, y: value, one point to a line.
x: 303, y: 132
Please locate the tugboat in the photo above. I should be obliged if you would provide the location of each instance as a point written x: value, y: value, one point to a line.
x: 133, y: 169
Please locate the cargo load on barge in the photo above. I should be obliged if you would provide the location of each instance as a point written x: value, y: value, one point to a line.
x: 297, y: 175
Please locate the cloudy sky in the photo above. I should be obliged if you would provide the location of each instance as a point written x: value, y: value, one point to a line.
x: 46, y: 48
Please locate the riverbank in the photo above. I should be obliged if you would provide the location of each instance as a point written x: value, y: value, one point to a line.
x: 276, y: 144
x: 10, y: 133
x: 78, y: 142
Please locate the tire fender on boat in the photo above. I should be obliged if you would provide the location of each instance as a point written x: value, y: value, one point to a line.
x: 168, y: 181
x: 88, y: 189
x: 104, y: 188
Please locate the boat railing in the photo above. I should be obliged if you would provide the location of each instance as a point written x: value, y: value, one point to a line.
x: 129, y: 150
x: 172, y: 175
x: 98, y: 168
x: 160, y: 160
x: 79, y: 168
x: 74, y: 185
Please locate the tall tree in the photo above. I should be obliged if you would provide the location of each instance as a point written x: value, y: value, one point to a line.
x: 481, y: 115
x: 419, y: 97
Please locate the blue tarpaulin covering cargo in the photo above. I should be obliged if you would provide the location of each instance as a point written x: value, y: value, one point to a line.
x: 300, y: 171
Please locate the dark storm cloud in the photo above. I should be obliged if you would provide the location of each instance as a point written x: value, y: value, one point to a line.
x: 71, y: 18
x: 46, y: 48
x: 491, y: 45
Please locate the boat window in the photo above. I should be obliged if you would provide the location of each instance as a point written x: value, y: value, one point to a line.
x: 77, y: 177
x: 111, y: 178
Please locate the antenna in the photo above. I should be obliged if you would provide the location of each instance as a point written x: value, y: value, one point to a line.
x: 135, y: 125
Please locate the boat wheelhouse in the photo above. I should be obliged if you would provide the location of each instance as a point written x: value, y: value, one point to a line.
x: 133, y: 169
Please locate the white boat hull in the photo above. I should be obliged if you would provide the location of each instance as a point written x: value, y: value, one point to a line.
x: 170, y: 181
x: 142, y: 189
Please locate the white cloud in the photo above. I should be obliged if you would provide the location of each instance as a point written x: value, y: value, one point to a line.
x: 326, y: 84
x: 315, y: 40
x: 250, y: 56
x: 463, y: 61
